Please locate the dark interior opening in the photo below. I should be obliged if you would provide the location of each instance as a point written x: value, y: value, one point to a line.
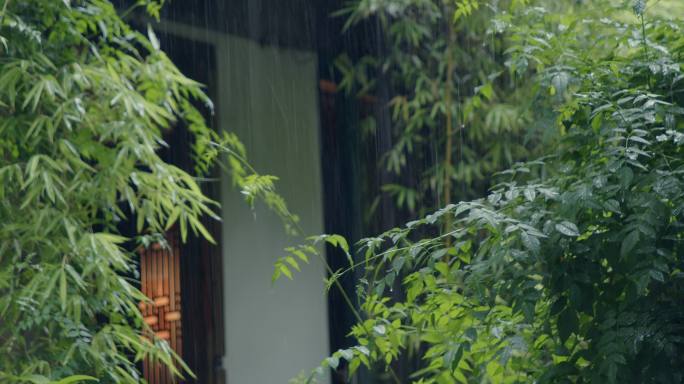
x: 200, y: 261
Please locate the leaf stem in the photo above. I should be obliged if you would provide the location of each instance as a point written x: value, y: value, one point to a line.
x: 643, y: 35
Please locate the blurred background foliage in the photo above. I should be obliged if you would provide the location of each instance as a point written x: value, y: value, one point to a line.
x: 455, y: 106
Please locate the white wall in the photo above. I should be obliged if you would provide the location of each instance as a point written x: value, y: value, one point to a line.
x: 268, y: 96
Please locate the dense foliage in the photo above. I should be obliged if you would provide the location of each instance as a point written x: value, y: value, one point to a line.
x: 570, y: 270
x: 457, y: 113
x: 84, y: 103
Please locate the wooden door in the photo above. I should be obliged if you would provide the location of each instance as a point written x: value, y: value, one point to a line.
x: 160, y: 281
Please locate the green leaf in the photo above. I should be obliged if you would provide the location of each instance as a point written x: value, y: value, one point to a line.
x: 38, y: 379
x: 347, y: 354
x: 341, y: 242
x: 299, y: 254
x: 286, y: 271
x: 203, y: 230
x: 276, y: 274
x: 354, y: 366
x: 338, y: 241
x: 63, y: 289
x: 175, y: 213
x: 657, y: 275
x: 487, y: 91
x: 291, y: 260
x: 439, y: 254
x: 75, y: 379
x: 530, y: 242
x: 567, y: 323
x: 153, y: 38
x: 612, y: 205
x: 333, y: 362
x: 628, y: 243
x: 567, y: 228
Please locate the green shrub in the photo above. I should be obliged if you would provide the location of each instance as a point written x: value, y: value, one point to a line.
x: 570, y: 270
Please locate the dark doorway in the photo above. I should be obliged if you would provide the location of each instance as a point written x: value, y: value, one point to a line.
x: 200, y: 261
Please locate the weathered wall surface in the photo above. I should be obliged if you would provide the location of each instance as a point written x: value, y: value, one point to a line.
x: 268, y: 96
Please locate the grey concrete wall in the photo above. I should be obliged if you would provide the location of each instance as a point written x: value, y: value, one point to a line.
x: 268, y: 96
